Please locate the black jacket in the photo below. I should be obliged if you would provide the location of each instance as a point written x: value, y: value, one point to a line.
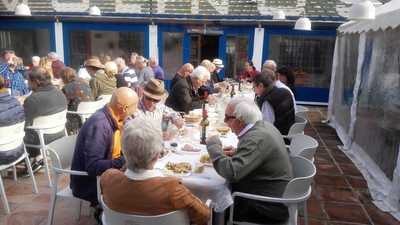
x: 282, y: 103
x: 182, y: 97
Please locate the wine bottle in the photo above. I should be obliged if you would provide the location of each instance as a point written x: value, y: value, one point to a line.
x: 204, y: 123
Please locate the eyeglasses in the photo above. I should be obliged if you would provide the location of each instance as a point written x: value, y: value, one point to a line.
x: 152, y: 99
x: 227, y: 118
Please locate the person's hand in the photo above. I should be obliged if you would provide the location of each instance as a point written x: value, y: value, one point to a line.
x: 179, y: 122
x: 229, y: 150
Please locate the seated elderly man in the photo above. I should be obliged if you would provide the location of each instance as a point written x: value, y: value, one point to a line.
x: 98, y: 145
x: 150, y: 107
x: 184, y: 95
x: 275, y: 103
x: 141, y: 189
x: 260, y: 165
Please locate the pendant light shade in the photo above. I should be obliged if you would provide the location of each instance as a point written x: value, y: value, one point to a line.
x: 303, y: 23
x: 22, y: 10
x: 94, y: 11
x: 362, y: 10
x: 279, y: 15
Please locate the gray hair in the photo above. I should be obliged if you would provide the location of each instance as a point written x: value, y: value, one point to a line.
x: 141, y: 142
x: 119, y: 61
x: 245, y: 109
x: 208, y: 64
x: 270, y: 64
x: 52, y: 55
x: 201, y: 73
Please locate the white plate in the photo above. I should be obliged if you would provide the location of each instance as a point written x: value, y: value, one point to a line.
x: 198, y: 150
x: 167, y: 172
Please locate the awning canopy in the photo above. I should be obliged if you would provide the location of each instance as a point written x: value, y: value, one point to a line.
x: 387, y: 16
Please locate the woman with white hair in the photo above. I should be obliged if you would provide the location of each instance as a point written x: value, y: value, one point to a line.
x: 104, y: 83
x: 141, y: 189
x: 259, y: 165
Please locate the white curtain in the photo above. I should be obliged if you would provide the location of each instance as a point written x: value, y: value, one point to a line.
x: 153, y: 48
x: 258, y: 47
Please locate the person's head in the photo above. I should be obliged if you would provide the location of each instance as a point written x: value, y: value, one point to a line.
x: 7, y: 55
x: 111, y: 69
x: 39, y: 77
x: 263, y: 81
x: 35, y: 61
x: 104, y: 58
x: 141, y: 62
x: 286, y: 76
x: 186, y: 70
x: 248, y: 66
x: 218, y: 64
x: 208, y: 64
x: 199, y: 76
x: 92, y: 65
x: 120, y: 64
x: 133, y: 57
x: 68, y: 75
x: 124, y: 102
x: 152, y: 62
x: 13, y: 62
x: 52, y: 56
x: 141, y: 144
x: 269, y: 64
x: 153, y: 92
x: 240, y: 112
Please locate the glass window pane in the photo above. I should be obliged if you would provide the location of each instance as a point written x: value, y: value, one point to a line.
x: 101, y: 43
x: 310, y: 57
x: 236, y: 55
x: 172, y: 53
x: 26, y: 43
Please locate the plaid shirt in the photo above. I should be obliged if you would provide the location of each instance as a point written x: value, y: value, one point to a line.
x: 14, y: 80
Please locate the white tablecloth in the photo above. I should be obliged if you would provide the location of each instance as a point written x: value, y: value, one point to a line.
x: 205, y: 185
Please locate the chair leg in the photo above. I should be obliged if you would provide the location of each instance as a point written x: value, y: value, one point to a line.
x: 305, y: 213
x: 4, y: 197
x: 52, y: 207
x: 15, y: 173
x: 78, y: 211
x: 46, y: 166
x: 29, y: 166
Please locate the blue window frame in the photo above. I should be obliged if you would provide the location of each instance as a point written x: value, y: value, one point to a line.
x: 303, y: 94
x: 69, y: 27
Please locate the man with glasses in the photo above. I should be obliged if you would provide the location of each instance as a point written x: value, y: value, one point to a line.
x: 259, y: 165
x: 98, y: 145
x: 150, y: 107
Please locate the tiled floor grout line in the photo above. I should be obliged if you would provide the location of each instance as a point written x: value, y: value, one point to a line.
x: 340, y: 169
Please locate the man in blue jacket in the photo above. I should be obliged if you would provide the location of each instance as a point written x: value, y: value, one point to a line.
x: 98, y: 145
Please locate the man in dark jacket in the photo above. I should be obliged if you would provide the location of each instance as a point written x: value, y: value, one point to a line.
x: 45, y: 100
x: 98, y: 145
x: 11, y: 113
x: 276, y: 104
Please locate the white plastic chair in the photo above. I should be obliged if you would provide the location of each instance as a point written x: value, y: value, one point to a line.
x: 50, y: 124
x: 12, y: 137
x: 304, y: 146
x: 296, y: 128
x: 301, y: 111
x: 86, y: 109
x: 61, y: 152
x: 104, y: 98
x: 297, y: 191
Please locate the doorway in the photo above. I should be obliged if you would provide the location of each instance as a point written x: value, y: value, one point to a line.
x: 203, y: 47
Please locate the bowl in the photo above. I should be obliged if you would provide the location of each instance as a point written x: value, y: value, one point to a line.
x: 192, y: 118
x: 223, y: 130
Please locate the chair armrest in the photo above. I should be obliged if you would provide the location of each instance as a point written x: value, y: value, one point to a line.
x: 72, y: 172
x: 208, y: 203
x: 272, y: 199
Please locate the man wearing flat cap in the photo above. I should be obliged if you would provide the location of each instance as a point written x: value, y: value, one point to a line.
x: 151, y: 108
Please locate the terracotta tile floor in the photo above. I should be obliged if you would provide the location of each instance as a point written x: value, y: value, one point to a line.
x: 340, y: 195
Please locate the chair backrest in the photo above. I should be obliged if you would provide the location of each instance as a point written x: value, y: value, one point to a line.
x: 111, y: 217
x: 303, y: 174
x: 104, y: 99
x: 11, y: 136
x: 51, y: 124
x: 301, y: 111
x: 61, y: 152
x: 89, y: 107
x: 303, y: 145
x: 298, y: 126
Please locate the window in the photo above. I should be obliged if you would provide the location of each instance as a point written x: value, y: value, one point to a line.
x: 172, y: 53
x: 310, y: 57
x: 26, y: 43
x: 104, y: 43
x: 236, y: 55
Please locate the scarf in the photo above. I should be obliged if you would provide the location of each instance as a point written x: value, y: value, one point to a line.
x: 116, y: 148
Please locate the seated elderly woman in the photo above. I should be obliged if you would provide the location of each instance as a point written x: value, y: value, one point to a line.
x: 104, y: 83
x: 141, y: 189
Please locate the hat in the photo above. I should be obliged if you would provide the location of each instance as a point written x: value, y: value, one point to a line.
x: 93, y: 62
x: 218, y: 63
x: 154, y: 89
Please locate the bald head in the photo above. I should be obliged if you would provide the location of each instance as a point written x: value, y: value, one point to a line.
x: 270, y: 64
x: 186, y: 70
x: 124, y: 102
